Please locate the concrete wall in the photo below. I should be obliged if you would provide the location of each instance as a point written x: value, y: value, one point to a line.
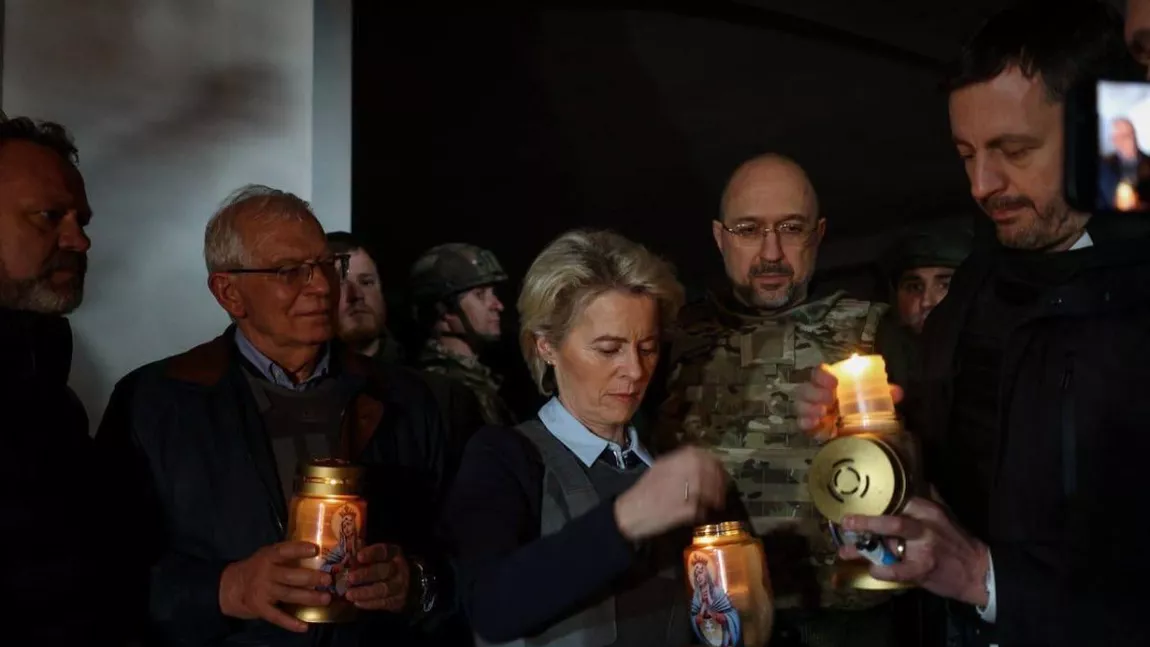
x: 174, y: 104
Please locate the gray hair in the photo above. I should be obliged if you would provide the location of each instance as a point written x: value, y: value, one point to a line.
x: 571, y: 272
x: 224, y: 248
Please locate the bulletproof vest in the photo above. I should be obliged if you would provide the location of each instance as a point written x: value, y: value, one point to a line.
x: 731, y: 390
x: 568, y: 493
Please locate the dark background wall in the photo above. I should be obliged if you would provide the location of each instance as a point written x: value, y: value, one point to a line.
x: 506, y: 128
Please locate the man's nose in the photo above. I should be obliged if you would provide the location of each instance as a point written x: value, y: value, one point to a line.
x: 496, y: 304
x: 352, y: 292
x: 930, y: 299
x: 986, y: 179
x: 71, y: 235
x: 771, y: 248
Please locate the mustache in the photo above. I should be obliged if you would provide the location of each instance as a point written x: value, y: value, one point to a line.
x: 772, y: 269
x: 1007, y: 203
x: 63, y: 260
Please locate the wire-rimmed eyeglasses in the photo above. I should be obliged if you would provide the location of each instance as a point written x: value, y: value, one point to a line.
x: 300, y: 274
x: 791, y: 232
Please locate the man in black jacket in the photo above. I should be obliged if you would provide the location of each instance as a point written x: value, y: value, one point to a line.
x: 49, y: 461
x: 1032, y: 407
x: 210, y: 441
x: 362, y: 326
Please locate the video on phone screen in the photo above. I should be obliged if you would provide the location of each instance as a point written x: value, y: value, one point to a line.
x: 1124, y: 139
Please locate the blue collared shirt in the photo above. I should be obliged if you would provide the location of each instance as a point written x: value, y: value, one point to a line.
x: 274, y: 373
x: 585, y: 445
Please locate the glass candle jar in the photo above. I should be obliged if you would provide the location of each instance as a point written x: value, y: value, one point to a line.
x: 729, y: 586
x: 329, y: 511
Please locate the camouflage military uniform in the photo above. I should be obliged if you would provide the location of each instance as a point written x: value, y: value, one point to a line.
x: 477, y: 377
x: 733, y: 374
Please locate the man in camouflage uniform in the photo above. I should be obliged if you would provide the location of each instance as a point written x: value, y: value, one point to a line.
x: 735, y: 362
x: 452, y: 289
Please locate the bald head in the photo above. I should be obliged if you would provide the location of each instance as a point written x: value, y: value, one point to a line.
x: 769, y: 184
x: 769, y: 232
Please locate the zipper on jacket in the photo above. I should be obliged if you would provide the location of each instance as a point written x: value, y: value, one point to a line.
x: 1069, y: 431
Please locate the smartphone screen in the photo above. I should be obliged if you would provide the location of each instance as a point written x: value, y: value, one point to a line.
x: 1108, y: 146
x: 1123, y: 177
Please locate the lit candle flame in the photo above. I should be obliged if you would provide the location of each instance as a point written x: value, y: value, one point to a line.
x: 1125, y: 197
x: 863, y: 392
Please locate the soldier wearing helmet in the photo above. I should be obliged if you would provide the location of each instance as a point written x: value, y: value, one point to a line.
x: 452, y: 289
x: 919, y: 267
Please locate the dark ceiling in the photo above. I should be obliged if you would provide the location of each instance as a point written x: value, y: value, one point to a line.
x: 934, y: 29
x: 507, y: 128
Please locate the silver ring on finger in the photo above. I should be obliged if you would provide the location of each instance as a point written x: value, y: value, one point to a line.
x: 686, y: 491
x: 900, y: 547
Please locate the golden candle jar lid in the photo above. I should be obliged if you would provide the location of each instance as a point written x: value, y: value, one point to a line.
x: 725, y: 529
x: 856, y: 475
x: 329, y: 477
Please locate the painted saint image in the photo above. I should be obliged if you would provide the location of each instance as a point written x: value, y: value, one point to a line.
x: 713, y: 617
x: 337, y: 561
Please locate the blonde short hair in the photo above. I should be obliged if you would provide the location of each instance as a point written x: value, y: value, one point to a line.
x: 571, y: 272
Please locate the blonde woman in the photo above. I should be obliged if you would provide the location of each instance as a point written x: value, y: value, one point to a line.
x: 567, y: 531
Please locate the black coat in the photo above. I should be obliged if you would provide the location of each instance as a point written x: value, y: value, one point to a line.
x: 61, y: 576
x: 458, y: 407
x: 202, y: 479
x: 1066, y: 522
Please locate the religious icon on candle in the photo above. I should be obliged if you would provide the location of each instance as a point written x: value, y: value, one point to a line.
x: 728, y: 583
x: 327, y: 510
x: 713, y: 617
x: 345, y: 525
x: 870, y: 468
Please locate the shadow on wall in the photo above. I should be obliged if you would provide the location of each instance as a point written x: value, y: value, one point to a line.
x: 173, y: 105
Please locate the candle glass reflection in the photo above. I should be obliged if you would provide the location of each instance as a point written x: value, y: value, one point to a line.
x: 328, y: 511
x: 729, y: 587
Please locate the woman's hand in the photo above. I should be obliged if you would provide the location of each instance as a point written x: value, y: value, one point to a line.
x: 678, y: 489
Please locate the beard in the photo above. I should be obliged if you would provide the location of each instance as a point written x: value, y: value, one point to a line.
x: 39, y: 293
x: 1050, y: 225
x: 773, y: 299
x: 360, y: 330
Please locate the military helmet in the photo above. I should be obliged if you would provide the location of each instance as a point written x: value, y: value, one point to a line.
x: 932, y: 246
x: 450, y: 269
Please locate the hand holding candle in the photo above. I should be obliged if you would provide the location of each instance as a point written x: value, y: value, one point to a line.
x: 328, y: 512
x: 381, y: 580
x: 254, y: 587
x: 852, y: 382
x: 939, y: 556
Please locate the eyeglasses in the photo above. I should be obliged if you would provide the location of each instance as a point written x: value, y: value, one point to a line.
x: 300, y: 274
x: 790, y: 233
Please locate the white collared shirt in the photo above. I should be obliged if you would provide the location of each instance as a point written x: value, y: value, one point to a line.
x: 585, y: 445
x: 1083, y: 242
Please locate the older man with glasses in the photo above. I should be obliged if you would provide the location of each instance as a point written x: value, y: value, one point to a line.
x: 210, y: 441
x: 740, y: 355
